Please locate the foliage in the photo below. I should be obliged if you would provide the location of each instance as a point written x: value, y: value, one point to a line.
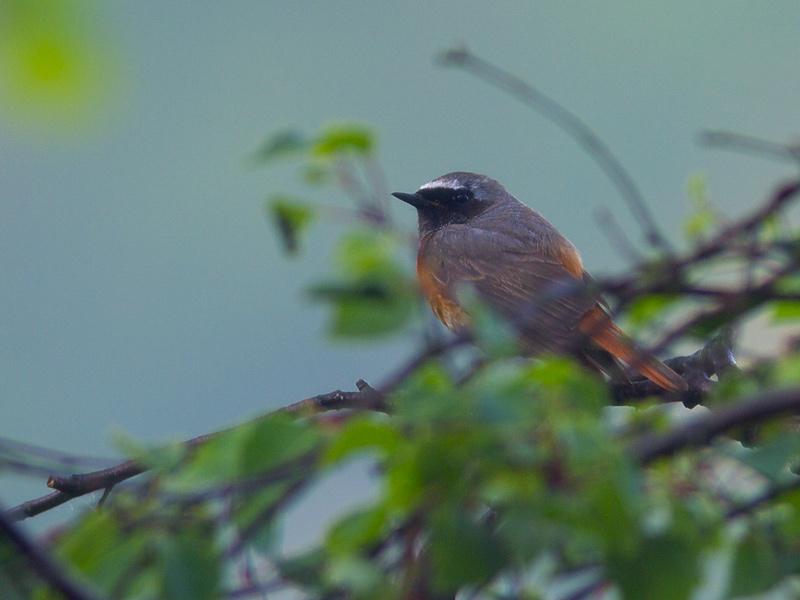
x: 54, y: 68
x: 514, y: 479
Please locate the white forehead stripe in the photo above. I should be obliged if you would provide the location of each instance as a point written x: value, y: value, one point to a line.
x: 450, y: 183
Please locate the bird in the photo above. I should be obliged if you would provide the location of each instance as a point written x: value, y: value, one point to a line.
x: 474, y: 233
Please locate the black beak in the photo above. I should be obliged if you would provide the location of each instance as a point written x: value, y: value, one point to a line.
x: 414, y: 200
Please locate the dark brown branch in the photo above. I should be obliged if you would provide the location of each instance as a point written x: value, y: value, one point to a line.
x: 700, y: 431
x: 44, y: 566
x: 79, y: 484
x: 715, y: 358
x: 366, y: 398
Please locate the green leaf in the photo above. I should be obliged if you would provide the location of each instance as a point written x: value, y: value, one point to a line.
x: 162, y: 458
x: 360, y: 577
x: 250, y: 508
x: 428, y: 395
x: 345, y: 138
x: 568, y: 387
x: 786, y: 371
x: 362, y: 253
x: 375, y: 296
x: 275, y: 440
x: 291, y: 218
x: 785, y: 310
x: 97, y: 548
x: 214, y: 462
x: 462, y: 551
x: 365, y: 433
x: 664, y: 567
x: 772, y: 458
x: 368, y: 318
x: 755, y: 566
x: 191, y: 568
x: 305, y: 569
x: 703, y: 218
x: 279, y: 145
x: 17, y: 579
x: 649, y: 309
x: 245, y: 451
x: 353, y: 533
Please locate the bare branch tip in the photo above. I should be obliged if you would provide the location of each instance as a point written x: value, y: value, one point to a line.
x: 455, y: 56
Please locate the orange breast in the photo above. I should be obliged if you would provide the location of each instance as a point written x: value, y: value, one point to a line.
x: 444, y: 307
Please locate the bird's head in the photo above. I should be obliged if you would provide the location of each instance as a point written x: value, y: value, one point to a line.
x: 456, y: 197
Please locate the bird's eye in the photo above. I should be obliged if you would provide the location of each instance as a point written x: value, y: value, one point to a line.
x: 462, y: 196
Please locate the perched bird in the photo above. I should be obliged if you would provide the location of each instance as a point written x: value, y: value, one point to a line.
x: 473, y: 232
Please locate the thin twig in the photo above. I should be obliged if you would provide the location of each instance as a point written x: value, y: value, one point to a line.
x: 739, y: 142
x: 571, y: 124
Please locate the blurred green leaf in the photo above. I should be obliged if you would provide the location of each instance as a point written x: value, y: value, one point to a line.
x: 375, y: 296
x: 772, y: 457
x: 17, y: 579
x: 280, y: 145
x: 428, y: 395
x: 664, y: 567
x: 568, y: 386
x: 306, y: 569
x: 703, y: 218
x: 359, y: 434
x: 54, y: 68
x: 248, y: 511
x: 755, y: 566
x: 786, y: 370
x: 98, y: 548
x: 360, y: 577
x: 191, y: 568
x: 344, y: 138
x: 649, y: 309
x: 245, y: 451
x: 463, y: 552
x: 274, y: 440
x: 786, y: 310
x: 162, y: 458
x: 291, y: 218
x: 353, y: 533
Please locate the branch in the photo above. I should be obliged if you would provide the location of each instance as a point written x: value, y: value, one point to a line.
x: 729, y: 140
x: 571, y: 124
x: 69, y: 487
x: 715, y: 358
x: 79, y: 484
x: 701, y: 430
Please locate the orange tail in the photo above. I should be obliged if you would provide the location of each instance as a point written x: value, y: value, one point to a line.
x: 602, y: 331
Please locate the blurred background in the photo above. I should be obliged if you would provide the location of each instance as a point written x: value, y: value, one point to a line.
x: 144, y: 291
